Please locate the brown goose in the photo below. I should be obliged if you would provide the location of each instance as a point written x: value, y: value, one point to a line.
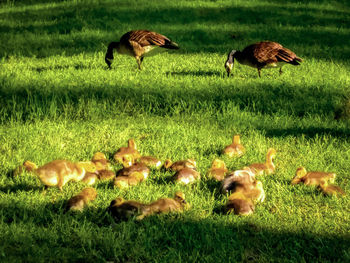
x: 139, y: 44
x: 266, y: 54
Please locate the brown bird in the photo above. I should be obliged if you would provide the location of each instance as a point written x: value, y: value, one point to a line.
x: 186, y: 176
x: 139, y: 44
x: 127, y: 155
x: 268, y: 167
x: 235, y: 148
x: 123, y: 210
x: 78, y: 202
x: 244, y: 182
x: 151, y: 162
x: 59, y: 172
x: 218, y: 170
x: 315, y: 178
x: 178, y: 165
x: 266, y: 54
x: 135, y: 168
x: 239, y: 204
x: 130, y: 176
x: 331, y: 189
x: 101, y: 162
x: 124, y: 181
x: 238, y: 177
x: 90, y: 178
x: 26, y: 166
x: 106, y: 175
x: 165, y: 205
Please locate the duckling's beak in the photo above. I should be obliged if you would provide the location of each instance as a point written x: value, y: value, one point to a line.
x: 228, y: 67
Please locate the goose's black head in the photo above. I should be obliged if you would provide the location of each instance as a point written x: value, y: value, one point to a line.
x: 109, y: 54
x: 229, y: 62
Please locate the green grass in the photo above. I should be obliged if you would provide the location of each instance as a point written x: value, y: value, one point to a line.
x: 58, y: 101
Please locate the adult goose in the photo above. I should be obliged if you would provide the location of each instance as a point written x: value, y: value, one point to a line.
x: 139, y: 44
x: 266, y: 54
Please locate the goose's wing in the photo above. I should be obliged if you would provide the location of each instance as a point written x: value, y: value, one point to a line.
x: 266, y: 52
x: 147, y: 38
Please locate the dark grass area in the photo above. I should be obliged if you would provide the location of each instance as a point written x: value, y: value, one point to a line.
x: 163, y: 240
x: 67, y: 27
x: 282, y: 98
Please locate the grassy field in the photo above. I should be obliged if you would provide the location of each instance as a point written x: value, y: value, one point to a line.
x: 59, y: 101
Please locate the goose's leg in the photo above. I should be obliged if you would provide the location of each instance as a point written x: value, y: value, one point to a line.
x: 139, y: 61
x: 259, y: 69
x: 281, y: 71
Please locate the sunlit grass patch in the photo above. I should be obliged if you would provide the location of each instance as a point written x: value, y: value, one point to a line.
x: 59, y: 101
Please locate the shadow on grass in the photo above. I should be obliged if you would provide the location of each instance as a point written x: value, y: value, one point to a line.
x: 19, y: 187
x: 199, y: 73
x: 309, y: 132
x: 58, y: 67
x: 163, y: 180
x: 74, y: 27
x: 168, y: 238
x: 27, y: 103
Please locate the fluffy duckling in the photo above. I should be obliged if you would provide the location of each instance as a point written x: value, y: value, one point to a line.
x: 59, y: 172
x: 186, y: 176
x: 123, y: 210
x: 331, y: 189
x: 178, y: 165
x: 243, y: 181
x: 164, y: 205
x: 131, y: 176
x: 239, y: 204
x: 268, y: 167
x: 100, y: 161
x: 253, y: 191
x: 78, y: 202
x: 124, y: 181
x: 265, y: 54
x: 151, y: 162
x: 26, y: 166
x: 218, y: 170
x: 127, y: 155
x: 90, y: 178
x: 312, y: 178
x: 235, y: 149
x: 134, y: 168
x: 106, y: 175
x: 238, y: 177
x: 139, y: 44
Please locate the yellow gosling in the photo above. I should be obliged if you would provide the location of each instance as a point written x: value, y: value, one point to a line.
x: 268, y: 167
x: 313, y: 177
x: 165, y: 205
x: 235, y: 149
x: 218, y: 170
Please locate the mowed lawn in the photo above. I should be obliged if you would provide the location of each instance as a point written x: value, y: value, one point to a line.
x: 59, y: 101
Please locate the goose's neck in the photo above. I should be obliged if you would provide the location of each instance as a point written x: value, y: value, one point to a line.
x: 236, y: 140
x: 111, y: 46
x: 269, y: 159
x: 238, y: 56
